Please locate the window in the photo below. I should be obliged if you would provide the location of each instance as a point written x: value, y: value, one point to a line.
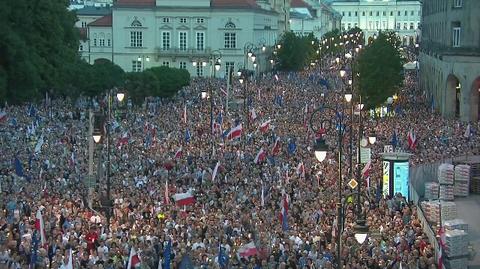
x: 165, y: 40
x: 419, y: 13
x: 456, y: 36
x: 183, y: 65
x: 405, y: 26
x: 391, y: 13
x: 199, y: 70
x: 349, y: 25
x: 101, y: 42
x: 166, y: 20
x: 370, y: 25
x: 183, y: 20
x: 384, y: 25
x: 136, y: 66
x: 399, y: 14
x: 182, y: 41
x: 200, y: 41
x: 343, y: 26
x: 406, y: 13
x: 376, y: 25
x: 356, y: 24
x: 363, y: 13
x: 80, y: 48
x: 230, y: 40
x: 398, y: 26
x: 228, y: 66
x: 378, y: 13
x: 457, y: 3
x: 109, y: 42
x: 349, y: 14
x: 167, y: 64
x: 136, y: 39
x: 411, y: 13
x: 343, y: 13
x: 84, y: 24
x: 94, y: 42
x: 411, y: 26
x: 356, y: 13
x: 384, y: 13
x: 371, y: 13
x: 200, y: 20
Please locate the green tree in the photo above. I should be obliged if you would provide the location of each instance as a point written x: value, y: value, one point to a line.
x: 170, y: 80
x: 296, y: 51
x: 380, y: 66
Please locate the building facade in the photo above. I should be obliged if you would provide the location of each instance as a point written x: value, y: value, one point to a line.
x: 187, y: 34
x: 450, y: 57
x: 313, y: 17
x: 372, y: 16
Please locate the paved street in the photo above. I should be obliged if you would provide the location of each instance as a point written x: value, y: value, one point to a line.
x: 468, y: 208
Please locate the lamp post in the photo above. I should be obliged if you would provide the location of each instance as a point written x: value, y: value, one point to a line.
x: 97, y: 136
x: 142, y: 59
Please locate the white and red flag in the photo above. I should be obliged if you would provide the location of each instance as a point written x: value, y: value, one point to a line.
x: 215, y: 171
x: 166, y: 199
x: 252, y: 114
x: 235, y: 132
x: 123, y: 140
x: 247, y: 250
x: 183, y: 199
x: 179, y: 153
x: 276, y: 146
x: 366, y: 170
x: 261, y: 156
x: 184, y: 114
x: 265, y: 126
x: 133, y: 260
x: 301, y: 169
x: 284, y: 213
x: 3, y: 116
x: 40, y: 227
x: 412, y: 140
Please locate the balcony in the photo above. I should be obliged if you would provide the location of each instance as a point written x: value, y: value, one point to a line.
x: 177, y: 52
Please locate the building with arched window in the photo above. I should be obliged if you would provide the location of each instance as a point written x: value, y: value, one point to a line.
x: 148, y: 33
x: 450, y: 57
x: 372, y: 16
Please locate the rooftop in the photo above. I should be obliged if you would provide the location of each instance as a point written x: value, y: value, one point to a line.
x: 299, y: 3
x: 213, y: 3
x: 105, y: 21
x: 93, y: 11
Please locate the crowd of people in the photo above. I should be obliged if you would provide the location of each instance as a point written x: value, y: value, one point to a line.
x: 166, y: 147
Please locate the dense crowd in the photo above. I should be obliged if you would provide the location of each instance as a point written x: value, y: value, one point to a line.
x: 44, y: 164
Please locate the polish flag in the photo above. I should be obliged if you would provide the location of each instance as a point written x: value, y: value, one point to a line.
x: 123, y: 140
x: 133, y: 260
x: 264, y: 127
x: 235, y: 133
x: 301, y: 169
x: 215, y: 171
x: 412, y: 140
x: 276, y: 146
x: 247, y: 250
x: 178, y: 154
x: 366, y: 169
x: 166, y: 199
x: 261, y: 155
x: 253, y: 114
x: 3, y: 116
x: 40, y: 227
x: 284, y: 213
x: 183, y: 199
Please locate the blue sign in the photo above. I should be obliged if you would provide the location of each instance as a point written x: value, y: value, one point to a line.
x: 400, y: 178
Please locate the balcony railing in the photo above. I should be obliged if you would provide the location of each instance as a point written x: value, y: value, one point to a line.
x: 187, y: 52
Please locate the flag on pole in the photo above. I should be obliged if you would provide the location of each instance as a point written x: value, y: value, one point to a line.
x: 284, y: 212
x: 262, y: 197
x: 222, y: 257
x: 38, y: 146
x: 292, y: 147
x: 260, y: 157
x: 3, y: 116
x: 166, y: 199
x: 166, y: 255
x: 70, y: 260
x: 235, y: 132
x: 18, y: 167
x: 133, y: 260
x: 276, y: 146
x: 265, y: 126
x: 34, y: 249
x: 40, y: 227
x: 252, y: 114
x: 215, y: 171
x: 366, y: 169
x: 394, y: 140
x: 412, y: 140
x: 178, y: 154
x: 301, y: 170
x: 247, y: 250
x: 183, y: 199
x: 185, y: 113
x: 187, y: 136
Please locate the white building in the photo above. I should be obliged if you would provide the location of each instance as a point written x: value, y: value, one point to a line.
x: 401, y: 16
x: 139, y: 34
x: 313, y: 16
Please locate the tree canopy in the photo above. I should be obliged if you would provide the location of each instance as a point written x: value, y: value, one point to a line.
x: 296, y: 51
x: 380, y: 66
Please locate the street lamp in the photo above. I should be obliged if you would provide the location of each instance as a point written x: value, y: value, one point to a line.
x: 342, y: 72
x: 372, y: 138
x: 320, y: 149
x: 142, y: 59
x: 97, y: 135
x: 253, y: 57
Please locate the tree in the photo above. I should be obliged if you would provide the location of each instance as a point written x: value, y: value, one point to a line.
x: 170, y: 80
x: 295, y: 51
x: 380, y: 66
